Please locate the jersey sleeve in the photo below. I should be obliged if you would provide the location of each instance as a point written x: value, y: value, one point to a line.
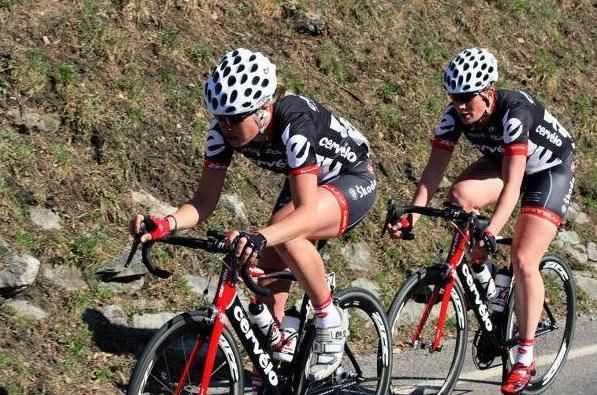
x: 299, y: 138
x: 218, y: 154
x: 446, y: 133
x: 516, y: 125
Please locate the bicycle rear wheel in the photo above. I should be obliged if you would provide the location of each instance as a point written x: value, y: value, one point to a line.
x: 366, y: 365
x: 555, y: 331
x: 162, y: 364
x: 416, y: 370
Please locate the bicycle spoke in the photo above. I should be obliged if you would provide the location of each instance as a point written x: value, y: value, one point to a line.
x: 414, y: 316
x: 175, y: 365
x: 556, y: 325
x: 348, y: 352
x: 366, y: 363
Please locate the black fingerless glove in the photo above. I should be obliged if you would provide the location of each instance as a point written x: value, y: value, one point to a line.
x: 488, y: 241
x: 255, y: 241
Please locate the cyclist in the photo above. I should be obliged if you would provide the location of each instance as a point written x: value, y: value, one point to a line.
x: 329, y: 187
x: 525, y: 151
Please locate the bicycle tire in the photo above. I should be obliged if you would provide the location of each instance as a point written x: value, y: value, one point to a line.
x: 367, y: 364
x: 549, y: 363
x: 161, y: 365
x: 416, y: 370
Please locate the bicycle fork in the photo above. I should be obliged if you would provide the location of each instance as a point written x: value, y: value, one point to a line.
x: 227, y: 303
x: 226, y: 292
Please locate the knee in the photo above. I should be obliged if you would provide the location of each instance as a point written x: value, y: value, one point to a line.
x: 289, y: 247
x: 524, y: 265
x: 460, y: 194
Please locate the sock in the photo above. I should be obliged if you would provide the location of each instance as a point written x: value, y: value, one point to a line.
x: 524, y: 352
x: 326, y: 315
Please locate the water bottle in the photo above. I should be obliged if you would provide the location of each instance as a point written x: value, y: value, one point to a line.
x: 482, y: 274
x: 260, y: 316
x: 502, y: 285
x: 290, y: 326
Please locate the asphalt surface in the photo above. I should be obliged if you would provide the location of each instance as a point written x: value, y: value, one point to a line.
x: 578, y: 376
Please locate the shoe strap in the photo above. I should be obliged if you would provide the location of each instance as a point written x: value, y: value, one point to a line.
x: 327, y: 348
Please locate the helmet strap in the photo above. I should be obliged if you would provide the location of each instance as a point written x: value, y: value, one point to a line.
x: 261, y: 118
x: 489, y: 104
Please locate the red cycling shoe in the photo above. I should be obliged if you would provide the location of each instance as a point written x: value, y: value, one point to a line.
x: 518, y: 378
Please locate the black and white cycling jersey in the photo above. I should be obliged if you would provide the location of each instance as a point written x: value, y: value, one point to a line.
x: 308, y: 138
x: 519, y: 124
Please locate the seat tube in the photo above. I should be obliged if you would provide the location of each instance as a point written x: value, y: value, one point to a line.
x: 455, y: 255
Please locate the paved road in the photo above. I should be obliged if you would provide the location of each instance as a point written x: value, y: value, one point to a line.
x: 578, y: 376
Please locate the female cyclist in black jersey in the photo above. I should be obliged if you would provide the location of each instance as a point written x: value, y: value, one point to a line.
x: 329, y: 188
x: 525, y: 151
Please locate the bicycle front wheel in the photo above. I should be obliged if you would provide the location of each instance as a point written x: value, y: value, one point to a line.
x: 180, y: 342
x: 416, y: 369
x: 553, y: 337
x: 366, y: 365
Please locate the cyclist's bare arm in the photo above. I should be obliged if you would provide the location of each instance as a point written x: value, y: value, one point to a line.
x: 513, y: 167
x: 199, y: 207
x: 301, y: 221
x: 204, y: 201
x: 430, y: 179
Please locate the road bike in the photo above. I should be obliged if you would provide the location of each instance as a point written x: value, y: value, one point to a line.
x: 430, y: 318
x: 197, y: 352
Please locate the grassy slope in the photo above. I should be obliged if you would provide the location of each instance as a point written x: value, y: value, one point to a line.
x: 125, y: 78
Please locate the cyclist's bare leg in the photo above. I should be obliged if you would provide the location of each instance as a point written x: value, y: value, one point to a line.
x: 531, y: 238
x: 328, y: 225
x: 479, y: 184
x: 272, y: 262
x: 301, y: 255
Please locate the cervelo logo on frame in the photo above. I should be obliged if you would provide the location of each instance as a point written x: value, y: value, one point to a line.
x: 262, y: 357
x: 482, y: 307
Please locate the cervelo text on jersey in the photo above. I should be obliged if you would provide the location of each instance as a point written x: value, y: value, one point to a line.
x: 518, y: 118
x: 306, y: 134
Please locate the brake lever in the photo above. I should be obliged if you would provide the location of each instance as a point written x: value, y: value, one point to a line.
x: 133, y: 251
x: 391, y: 215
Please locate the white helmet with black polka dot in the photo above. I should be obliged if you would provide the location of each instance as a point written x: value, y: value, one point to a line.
x: 242, y: 82
x: 472, y: 70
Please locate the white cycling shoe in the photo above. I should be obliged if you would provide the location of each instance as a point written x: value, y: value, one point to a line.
x: 328, y: 348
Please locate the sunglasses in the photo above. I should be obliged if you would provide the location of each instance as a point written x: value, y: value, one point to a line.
x: 233, y: 119
x: 463, y: 97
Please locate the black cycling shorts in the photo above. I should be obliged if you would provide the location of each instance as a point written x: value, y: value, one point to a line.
x: 547, y: 194
x: 355, y: 193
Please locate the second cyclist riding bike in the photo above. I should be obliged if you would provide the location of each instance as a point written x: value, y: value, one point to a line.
x: 430, y: 323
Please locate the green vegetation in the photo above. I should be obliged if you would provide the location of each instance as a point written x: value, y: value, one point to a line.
x: 331, y: 62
